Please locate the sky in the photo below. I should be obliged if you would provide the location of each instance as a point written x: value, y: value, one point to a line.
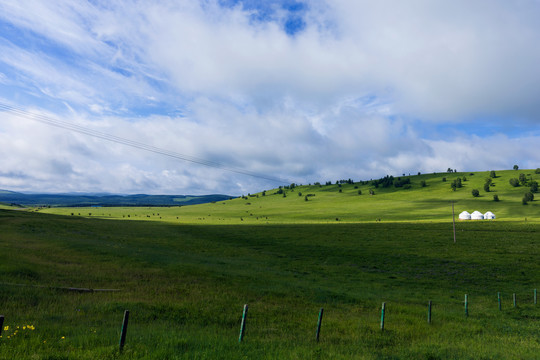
x: 235, y: 97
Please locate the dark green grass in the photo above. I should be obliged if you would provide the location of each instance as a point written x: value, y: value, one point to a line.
x: 185, y: 286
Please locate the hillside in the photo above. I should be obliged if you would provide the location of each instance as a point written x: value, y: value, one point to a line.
x: 78, y: 200
x: 343, y: 203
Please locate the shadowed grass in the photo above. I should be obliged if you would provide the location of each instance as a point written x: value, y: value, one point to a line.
x: 185, y: 286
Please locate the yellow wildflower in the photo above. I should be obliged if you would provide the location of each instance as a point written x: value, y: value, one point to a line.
x: 6, y: 328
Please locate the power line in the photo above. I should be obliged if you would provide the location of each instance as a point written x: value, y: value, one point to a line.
x: 135, y: 144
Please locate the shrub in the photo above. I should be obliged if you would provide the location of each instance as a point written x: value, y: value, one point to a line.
x: 495, y: 197
x: 522, y: 179
x: 475, y: 192
x: 537, y: 171
x: 359, y: 192
x: 423, y: 183
x: 492, y: 174
x: 514, y: 182
x: 528, y: 196
x: 534, y: 186
x: 486, y: 187
x: 444, y: 179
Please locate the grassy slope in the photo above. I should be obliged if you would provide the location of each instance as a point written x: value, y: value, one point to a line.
x: 432, y: 203
x: 186, y: 284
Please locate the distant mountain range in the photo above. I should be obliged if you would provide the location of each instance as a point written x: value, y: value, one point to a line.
x: 75, y: 199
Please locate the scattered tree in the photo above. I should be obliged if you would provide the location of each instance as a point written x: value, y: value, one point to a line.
x: 534, y: 187
x: 522, y: 179
x: 359, y: 192
x: 537, y: 171
x: 475, y: 192
x: 495, y: 197
x: 487, y: 184
x: 514, y: 182
x: 516, y: 167
x: 528, y: 196
x: 492, y: 174
x: 423, y: 183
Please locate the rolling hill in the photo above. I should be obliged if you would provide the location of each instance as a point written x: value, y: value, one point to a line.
x: 424, y: 197
x: 78, y: 200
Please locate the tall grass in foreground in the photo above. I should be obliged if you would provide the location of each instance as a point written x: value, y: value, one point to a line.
x: 185, y: 287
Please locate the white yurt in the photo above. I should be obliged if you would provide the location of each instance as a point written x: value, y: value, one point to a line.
x: 477, y: 215
x: 489, y: 215
x: 465, y: 216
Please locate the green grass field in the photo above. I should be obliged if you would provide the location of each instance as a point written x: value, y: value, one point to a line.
x: 185, y: 280
x: 430, y: 203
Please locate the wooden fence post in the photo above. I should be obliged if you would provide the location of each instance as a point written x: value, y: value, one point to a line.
x: 534, y: 296
x: 466, y: 305
x: 499, y: 300
x: 243, y: 325
x: 429, y: 312
x: 514, y: 299
x: 124, y: 330
x: 1, y: 324
x: 382, y: 315
x: 319, y: 322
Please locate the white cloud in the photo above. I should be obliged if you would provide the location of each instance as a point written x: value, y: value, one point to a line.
x: 351, y: 95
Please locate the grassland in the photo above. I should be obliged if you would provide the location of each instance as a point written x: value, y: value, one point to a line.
x: 429, y: 203
x: 186, y: 280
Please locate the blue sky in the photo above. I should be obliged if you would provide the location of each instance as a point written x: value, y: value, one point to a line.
x: 300, y: 91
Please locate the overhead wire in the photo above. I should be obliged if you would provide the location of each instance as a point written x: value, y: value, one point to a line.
x: 135, y: 144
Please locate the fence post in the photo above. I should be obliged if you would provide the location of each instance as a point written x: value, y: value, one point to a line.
x: 429, y: 312
x: 466, y: 305
x: 499, y: 300
x: 534, y: 296
x: 319, y: 322
x: 243, y: 325
x: 382, y: 315
x: 124, y: 330
x: 1, y: 323
x: 514, y: 298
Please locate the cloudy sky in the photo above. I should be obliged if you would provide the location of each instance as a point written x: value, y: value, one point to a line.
x: 239, y: 96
